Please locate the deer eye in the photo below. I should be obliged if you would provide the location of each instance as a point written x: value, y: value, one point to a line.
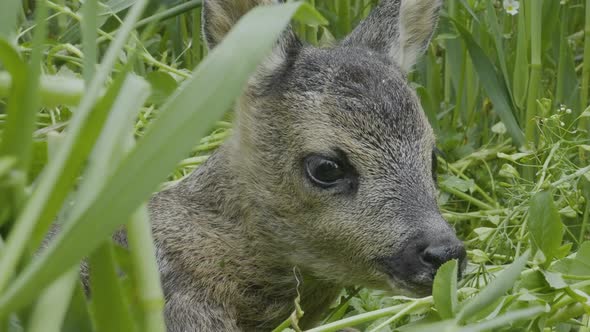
x: 324, y: 172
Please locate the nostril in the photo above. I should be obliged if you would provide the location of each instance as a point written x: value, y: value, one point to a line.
x: 435, y: 256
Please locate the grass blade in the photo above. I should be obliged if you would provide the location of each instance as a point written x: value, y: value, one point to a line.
x: 60, y: 174
x: 494, y: 87
x: 503, y: 320
x: 9, y: 10
x: 210, y: 92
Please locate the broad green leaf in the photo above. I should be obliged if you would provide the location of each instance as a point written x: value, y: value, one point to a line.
x: 183, y: 120
x: 458, y: 183
x: 163, y: 86
x: 495, y: 88
x: 495, y: 289
x: 554, y: 279
x: 545, y: 227
x: 444, y: 290
x: 579, y: 265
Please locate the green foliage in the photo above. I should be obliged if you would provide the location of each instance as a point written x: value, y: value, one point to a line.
x: 444, y: 290
x: 507, y: 96
x: 546, y: 228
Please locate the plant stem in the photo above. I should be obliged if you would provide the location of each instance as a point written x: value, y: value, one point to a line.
x: 396, y: 316
x: 546, y: 166
x: 467, y: 197
x: 572, y: 176
x: 141, y: 246
x: 372, y: 315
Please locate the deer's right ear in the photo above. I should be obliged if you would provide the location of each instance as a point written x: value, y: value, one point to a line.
x: 219, y: 16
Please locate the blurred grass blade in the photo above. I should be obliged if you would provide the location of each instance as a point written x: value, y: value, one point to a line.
x: 9, y: 12
x: 535, y: 17
x: 442, y: 326
x: 504, y: 320
x: 60, y: 174
x: 54, y: 90
x: 444, y: 290
x: 51, y: 308
x: 23, y: 107
x: 12, y: 195
x: 495, y: 289
x: 498, y: 42
x: 545, y: 226
x: 185, y: 118
x: 520, y: 77
x: 494, y: 87
x: 146, y: 272
x: 109, y: 305
x: 89, y: 24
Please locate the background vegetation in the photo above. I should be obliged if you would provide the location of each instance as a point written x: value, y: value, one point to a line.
x: 504, y: 84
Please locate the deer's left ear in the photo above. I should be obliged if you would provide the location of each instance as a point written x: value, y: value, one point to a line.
x: 400, y: 28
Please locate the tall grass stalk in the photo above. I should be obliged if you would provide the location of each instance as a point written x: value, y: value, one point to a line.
x: 536, y: 18
x: 585, y: 122
x: 563, y: 45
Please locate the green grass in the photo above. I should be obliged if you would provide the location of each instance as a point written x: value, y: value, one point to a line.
x: 507, y: 96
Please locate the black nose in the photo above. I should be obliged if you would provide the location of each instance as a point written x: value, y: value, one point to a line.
x: 436, y: 255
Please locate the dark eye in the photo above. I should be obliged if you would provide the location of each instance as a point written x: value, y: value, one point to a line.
x: 324, y: 172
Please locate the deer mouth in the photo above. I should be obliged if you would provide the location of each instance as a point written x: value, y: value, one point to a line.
x: 416, y: 284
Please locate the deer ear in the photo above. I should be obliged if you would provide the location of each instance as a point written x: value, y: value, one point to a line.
x: 399, y: 28
x: 219, y: 16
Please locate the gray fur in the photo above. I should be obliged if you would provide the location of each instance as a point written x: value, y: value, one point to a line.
x: 236, y: 238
